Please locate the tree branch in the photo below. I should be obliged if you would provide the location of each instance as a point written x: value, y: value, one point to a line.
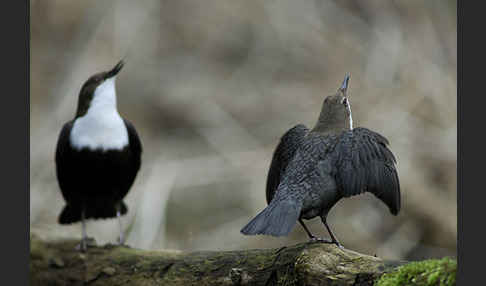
x: 58, y: 263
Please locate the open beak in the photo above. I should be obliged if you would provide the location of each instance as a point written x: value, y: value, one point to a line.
x: 344, y: 85
x: 115, y: 69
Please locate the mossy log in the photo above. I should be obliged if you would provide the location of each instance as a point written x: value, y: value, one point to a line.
x: 58, y: 263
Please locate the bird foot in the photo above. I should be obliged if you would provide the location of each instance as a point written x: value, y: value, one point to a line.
x: 324, y: 240
x: 319, y: 239
x: 339, y: 245
x: 85, y: 243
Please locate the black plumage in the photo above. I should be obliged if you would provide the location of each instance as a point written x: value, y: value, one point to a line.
x: 311, y: 170
x: 95, y: 179
x: 98, y: 156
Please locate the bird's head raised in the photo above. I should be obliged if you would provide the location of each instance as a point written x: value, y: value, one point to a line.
x: 336, y: 111
x: 99, y: 89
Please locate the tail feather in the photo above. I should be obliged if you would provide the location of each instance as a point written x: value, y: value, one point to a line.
x: 277, y: 219
x: 72, y: 213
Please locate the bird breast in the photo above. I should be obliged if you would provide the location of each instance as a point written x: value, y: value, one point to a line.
x: 99, y: 129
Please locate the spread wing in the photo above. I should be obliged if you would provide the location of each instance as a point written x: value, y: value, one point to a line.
x: 285, y: 151
x: 365, y: 164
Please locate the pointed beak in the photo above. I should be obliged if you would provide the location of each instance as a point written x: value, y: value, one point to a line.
x: 115, y: 70
x: 344, y: 85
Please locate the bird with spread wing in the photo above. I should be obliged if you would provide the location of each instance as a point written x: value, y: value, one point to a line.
x: 312, y: 169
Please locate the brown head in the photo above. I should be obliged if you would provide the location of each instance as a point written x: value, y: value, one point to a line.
x: 89, y: 87
x: 335, y: 112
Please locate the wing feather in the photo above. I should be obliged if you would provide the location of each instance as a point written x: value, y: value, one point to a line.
x: 135, y: 147
x: 365, y: 164
x: 134, y: 140
x: 285, y: 151
x: 62, y: 156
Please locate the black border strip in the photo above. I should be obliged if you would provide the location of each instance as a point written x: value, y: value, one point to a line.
x: 14, y: 123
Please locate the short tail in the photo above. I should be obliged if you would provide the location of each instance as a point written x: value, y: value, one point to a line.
x: 72, y: 213
x: 277, y: 219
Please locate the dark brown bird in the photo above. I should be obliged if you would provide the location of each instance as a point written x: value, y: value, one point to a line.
x: 312, y: 170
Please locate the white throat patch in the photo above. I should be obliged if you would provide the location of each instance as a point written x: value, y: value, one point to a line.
x: 350, y: 116
x: 102, y: 126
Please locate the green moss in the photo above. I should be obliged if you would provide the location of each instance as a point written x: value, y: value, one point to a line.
x: 428, y: 272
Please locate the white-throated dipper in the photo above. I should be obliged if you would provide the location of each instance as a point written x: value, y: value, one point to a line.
x: 312, y: 170
x: 98, y: 156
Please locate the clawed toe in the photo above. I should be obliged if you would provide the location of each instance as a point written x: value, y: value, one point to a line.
x: 81, y: 247
x: 319, y: 239
x: 85, y: 243
x: 324, y: 240
x: 339, y: 245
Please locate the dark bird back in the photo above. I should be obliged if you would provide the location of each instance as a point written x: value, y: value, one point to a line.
x: 311, y: 170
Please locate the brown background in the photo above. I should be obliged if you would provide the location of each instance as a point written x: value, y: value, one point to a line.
x: 212, y: 85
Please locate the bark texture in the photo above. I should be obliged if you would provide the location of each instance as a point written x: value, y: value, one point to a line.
x: 58, y: 263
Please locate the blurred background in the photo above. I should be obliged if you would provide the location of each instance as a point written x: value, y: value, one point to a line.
x: 211, y: 86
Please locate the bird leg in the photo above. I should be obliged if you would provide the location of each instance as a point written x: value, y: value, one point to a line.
x: 82, y: 246
x: 306, y: 230
x: 334, y: 240
x: 84, y: 234
x: 311, y: 236
x: 121, y: 238
x: 85, y: 240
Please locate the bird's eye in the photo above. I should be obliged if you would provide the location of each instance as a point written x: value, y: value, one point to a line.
x: 345, y: 101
